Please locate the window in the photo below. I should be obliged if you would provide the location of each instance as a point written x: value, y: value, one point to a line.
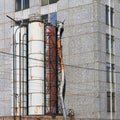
x: 109, y: 15
x: 18, y: 5
x: 112, y: 44
x: 47, y: 2
x: 108, y: 72
x: 21, y: 5
x: 25, y: 4
x: 110, y: 102
x: 51, y: 18
x: 45, y: 18
x: 108, y: 44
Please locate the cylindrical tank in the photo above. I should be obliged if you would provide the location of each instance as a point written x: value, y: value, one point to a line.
x: 20, y: 71
x: 36, y: 68
x: 51, y: 68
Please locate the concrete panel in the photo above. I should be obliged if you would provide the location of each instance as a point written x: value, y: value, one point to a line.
x: 74, y: 3
x: 9, y: 7
x: 62, y: 4
x: 35, y: 3
x: 2, y: 7
x: 85, y: 15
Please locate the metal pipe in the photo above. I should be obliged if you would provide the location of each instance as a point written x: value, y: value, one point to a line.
x: 20, y: 74
x: 44, y: 70
x: 15, y: 95
x: 13, y: 74
x: 110, y: 60
x: 62, y: 82
x: 24, y: 77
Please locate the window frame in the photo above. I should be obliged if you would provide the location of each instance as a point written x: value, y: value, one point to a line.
x: 50, y: 18
x: 107, y: 44
x: 109, y: 101
x: 109, y: 11
x: 22, y: 5
x: 48, y: 2
x: 112, y: 44
x: 107, y: 14
x: 108, y: 72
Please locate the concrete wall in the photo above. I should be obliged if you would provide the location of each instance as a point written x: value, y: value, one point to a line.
x: 80, y: 51
x: 6, y: 8
x: 84, y: 46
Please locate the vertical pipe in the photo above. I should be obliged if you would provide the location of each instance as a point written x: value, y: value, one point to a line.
x: 19, y: 74
x: 44, y: 69
x: 110, y: 59
x: 36, y: 68
x: 27, y: 75
x: 16, y: 71
x: 62, y: 81
x: 13, y: 74
x: 23, y: 70
x: 56, y: 73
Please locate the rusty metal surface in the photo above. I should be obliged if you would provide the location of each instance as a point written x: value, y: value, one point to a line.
x: 33, y: 118
x: 51, y: 75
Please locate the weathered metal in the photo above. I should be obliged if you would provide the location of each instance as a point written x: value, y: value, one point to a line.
x: 20, y: 94
x: 36, y: 68
x: 51, y: 71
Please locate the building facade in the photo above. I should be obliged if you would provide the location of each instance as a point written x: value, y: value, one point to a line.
x: 90, y: 45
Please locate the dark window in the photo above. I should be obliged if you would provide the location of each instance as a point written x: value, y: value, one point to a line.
x: 52, y: 1
x: 109, y: 15
x: 51, y: 18
x: 18, y: 5
x: 111, y: 12
x: 108, y: 70
x: 112, y: 72
x: 108, y: 37
x: 45, y: 18
x: 21, y: 4
x: 110, y: 102
x: 25, y: 4
x: 112, y: 44
x: 107, y: 43
x: 47, y: 2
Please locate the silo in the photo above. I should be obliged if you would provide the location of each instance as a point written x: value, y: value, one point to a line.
x: 36, y: 67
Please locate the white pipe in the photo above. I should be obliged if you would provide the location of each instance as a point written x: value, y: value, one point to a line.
x: 61, y: 95
x: 17, y: 92
x: 110, y: 60
x: 23, y: 71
